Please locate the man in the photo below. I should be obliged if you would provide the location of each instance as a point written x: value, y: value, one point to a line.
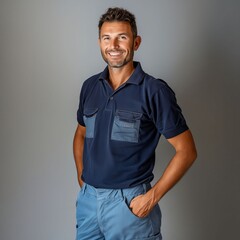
x: 122, y: 113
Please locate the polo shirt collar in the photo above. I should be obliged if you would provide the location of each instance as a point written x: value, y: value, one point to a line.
x: 136, y: 78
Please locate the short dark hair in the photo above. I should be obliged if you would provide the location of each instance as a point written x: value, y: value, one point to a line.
x: 118, y: 15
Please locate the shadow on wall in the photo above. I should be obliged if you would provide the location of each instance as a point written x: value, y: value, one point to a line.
x: 209, y: 196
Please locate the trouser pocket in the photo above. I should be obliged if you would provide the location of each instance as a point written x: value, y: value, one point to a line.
x: 124, y: 223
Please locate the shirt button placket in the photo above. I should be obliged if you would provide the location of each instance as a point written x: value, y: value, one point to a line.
x: 109, y: 103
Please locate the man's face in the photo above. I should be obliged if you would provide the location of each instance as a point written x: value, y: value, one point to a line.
x: 117, y: 43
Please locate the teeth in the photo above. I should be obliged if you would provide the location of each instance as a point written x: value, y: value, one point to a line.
x: 115, y: 53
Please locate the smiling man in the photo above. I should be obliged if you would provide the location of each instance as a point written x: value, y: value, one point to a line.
x: 118, y: 43
x: 122, y: 113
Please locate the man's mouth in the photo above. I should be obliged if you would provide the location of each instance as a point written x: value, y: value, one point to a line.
x: 115, y: 53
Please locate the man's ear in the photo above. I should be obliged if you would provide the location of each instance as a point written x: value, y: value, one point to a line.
x: 137, y: 42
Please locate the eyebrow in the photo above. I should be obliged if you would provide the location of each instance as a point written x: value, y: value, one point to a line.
x: 119, y: 34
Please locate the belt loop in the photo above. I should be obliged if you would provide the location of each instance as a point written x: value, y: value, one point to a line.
x: 122, y: 193
x: 84, y: 188
x: 144, y: 187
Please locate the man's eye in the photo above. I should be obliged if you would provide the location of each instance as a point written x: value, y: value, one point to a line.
x: 105, y: 38
x: 123, y: 37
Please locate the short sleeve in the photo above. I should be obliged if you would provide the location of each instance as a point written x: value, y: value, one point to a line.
x: 166, y: 113
x: 80, y: 108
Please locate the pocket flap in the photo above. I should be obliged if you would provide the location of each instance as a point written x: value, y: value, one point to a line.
x: 89, y: 112
x: 127, y: 115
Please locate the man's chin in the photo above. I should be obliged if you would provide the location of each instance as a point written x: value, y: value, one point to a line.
x: 117, y: 64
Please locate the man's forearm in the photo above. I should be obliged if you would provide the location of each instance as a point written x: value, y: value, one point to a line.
x: 143, y: 204
x: 177, y: 167
x: 184, y: 157
x: 180, y: 163
x: 78, y: 144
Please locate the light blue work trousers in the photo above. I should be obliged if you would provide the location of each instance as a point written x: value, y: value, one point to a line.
x: 104, y: 214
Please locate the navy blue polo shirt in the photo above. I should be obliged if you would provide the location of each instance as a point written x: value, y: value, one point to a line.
x: 123, y: 127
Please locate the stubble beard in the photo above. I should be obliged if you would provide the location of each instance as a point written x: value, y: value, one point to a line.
x: 120, y: 63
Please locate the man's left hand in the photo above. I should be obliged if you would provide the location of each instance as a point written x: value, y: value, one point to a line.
x: 142, y: 205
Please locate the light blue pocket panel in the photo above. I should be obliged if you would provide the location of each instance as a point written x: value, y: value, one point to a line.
x: 89, y: 120
x: 126, y: 126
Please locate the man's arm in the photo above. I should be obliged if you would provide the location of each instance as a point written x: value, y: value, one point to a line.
x: 78, y: 143
x: 184, y: 157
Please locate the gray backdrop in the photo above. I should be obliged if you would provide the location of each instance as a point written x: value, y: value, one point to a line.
x: 49, y: 47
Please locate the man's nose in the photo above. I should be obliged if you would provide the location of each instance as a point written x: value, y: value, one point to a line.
x: 114, y: 43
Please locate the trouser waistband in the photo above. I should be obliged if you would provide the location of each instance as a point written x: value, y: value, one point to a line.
x: 101, y: 193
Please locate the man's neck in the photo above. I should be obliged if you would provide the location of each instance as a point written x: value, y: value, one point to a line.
x: 118, y: 76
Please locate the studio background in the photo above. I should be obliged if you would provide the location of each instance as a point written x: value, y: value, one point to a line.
x: 49, y: 47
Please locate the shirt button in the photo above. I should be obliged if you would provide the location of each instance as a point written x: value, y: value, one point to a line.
x: 111, y: 98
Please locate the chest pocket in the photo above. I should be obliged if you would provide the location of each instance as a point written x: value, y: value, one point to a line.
x: 89, y: 117
x: 126, y: 126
